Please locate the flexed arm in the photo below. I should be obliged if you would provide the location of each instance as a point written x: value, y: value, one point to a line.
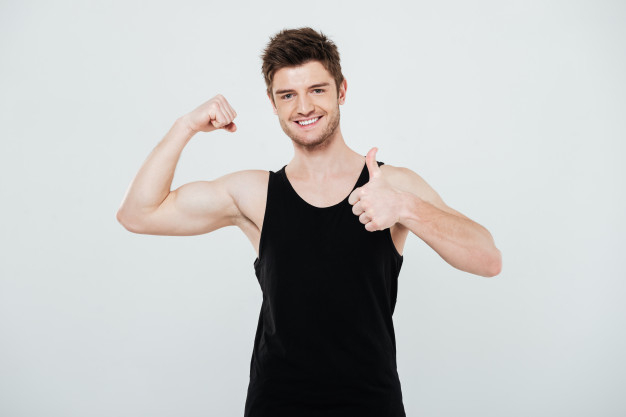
x: 150, y: 207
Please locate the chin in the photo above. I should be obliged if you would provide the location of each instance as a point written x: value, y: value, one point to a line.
x: 310, y: 143
x: 304, y: 140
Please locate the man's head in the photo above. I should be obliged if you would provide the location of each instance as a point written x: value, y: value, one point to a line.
x: 294, y: 47
x: 305, y: 86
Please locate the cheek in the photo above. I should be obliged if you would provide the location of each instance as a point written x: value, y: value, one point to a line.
x: 284, y: 111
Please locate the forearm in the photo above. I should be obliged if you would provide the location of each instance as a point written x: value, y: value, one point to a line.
x: 153, y: 182
x: 463, y: 243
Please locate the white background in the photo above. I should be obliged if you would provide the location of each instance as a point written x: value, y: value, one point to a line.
x: 514, y: 111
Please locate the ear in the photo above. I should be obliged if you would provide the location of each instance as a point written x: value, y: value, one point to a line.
x: 272, y: 102
x: 342, y: 91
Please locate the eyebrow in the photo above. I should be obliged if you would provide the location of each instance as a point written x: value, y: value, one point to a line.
x: 312, y: 86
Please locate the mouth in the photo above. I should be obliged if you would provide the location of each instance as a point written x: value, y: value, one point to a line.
x: 308, y: 123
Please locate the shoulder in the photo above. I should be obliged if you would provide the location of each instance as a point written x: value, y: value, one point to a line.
x: 405, y: 179
x: 245, y: 183
x: 244, y: 178
x: 248, y: 189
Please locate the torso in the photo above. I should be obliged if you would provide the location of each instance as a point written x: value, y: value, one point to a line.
x: 252, y: 207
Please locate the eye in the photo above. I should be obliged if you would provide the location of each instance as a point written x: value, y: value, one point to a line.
x: 319, y: 90
x: 287, y: 96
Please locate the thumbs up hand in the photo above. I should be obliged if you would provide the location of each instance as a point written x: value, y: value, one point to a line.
x: 377, y: 203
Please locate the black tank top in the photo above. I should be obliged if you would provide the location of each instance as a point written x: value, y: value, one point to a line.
x: 325, y: 343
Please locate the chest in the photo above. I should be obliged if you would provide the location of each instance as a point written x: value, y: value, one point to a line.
x: 323, y: 194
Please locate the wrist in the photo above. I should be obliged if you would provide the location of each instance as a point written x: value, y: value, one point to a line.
x: 183, y: 124
x: 409, y: 204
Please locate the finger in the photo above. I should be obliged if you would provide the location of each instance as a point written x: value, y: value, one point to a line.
x: 363, y: 218
x: 216, y: 117
x: 232, y: 111
x: 355, y: 196
x: 218, y: 120
x: 228, y: 117
x: 227, y: 109
x: 357, y: 209
x: 221, y: 118
x: 231, y: 127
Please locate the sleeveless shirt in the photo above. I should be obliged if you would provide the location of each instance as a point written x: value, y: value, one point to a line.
x: 325, y: 342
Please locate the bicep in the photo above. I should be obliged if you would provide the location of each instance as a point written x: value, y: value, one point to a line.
x: 192, y: 209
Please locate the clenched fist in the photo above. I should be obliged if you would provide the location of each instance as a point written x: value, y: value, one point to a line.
x: 214, y: 114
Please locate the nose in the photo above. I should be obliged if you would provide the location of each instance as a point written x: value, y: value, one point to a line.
x: 305, y: 105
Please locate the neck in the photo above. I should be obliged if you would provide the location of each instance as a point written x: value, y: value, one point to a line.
x: 333, y: 157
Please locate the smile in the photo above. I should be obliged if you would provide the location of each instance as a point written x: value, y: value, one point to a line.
x: 308, y: 122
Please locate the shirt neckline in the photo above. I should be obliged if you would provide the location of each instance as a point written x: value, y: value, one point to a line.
x: 363, y: 171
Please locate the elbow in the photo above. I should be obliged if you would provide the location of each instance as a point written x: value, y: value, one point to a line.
x: 127, y: 222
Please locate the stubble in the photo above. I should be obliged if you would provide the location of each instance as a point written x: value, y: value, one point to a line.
x: 319, y: 141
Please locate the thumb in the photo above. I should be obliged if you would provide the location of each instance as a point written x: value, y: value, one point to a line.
x: 231, y: 127
x: 372, y: 165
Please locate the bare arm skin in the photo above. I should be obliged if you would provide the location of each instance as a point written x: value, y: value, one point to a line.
x: 400, y: 199
x: 150, y: 207
x: 460, y: 241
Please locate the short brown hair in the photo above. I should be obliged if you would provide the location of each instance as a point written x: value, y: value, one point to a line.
x: 294, y: 47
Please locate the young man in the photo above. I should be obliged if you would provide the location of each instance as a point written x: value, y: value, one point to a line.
x: 329, y: 230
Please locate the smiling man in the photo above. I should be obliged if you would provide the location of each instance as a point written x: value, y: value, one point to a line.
x: 329, y: 230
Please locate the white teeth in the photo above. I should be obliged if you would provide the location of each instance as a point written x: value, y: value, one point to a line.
x: 308, y: 122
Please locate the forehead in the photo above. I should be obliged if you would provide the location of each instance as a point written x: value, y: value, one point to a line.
x: 313, y: 72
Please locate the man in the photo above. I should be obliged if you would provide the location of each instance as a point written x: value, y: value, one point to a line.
x: 329, y: 230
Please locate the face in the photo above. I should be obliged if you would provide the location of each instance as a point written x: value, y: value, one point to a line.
x: 307, y: 103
